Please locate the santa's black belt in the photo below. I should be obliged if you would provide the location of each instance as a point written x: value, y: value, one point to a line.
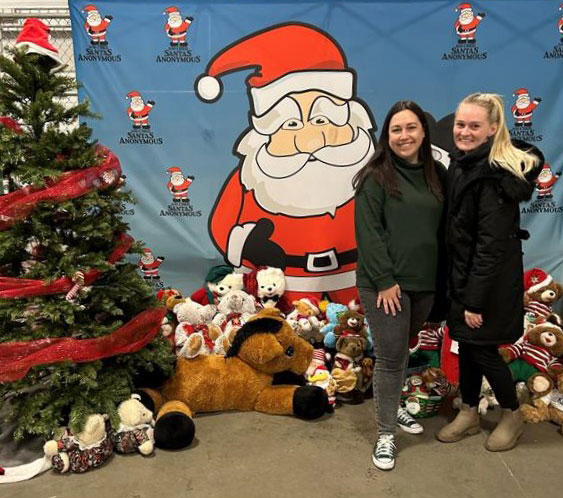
x: 323, y: 261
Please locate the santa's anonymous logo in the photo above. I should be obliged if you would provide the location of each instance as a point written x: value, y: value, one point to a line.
x: 139, y: 111
x: 465, y: 28
x: 557, y: 51
x: 523, y: 110
x: 546, y: 181
x: 176, y: 29
x: 96, y: 26
x: 179, y: 187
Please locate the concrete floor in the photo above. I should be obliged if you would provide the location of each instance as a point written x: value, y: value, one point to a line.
x: 254, y: 455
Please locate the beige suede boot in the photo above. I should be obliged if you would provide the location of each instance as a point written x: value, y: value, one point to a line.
x: 465, y: 424
x: 505, y: 435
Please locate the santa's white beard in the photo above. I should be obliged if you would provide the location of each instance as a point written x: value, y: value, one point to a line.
x: 296, y: 186
x: 177, y: 181
x: 137, y: 106
x: 175, y: 21
x: 94, y: 20
x: 466, y: 19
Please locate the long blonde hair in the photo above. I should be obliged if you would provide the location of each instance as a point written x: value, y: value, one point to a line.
x: 503, y: 154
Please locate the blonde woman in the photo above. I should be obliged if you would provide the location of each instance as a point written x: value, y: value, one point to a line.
x: 488, y: 177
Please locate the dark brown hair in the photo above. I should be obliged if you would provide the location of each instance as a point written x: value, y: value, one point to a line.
x: 381, y: 166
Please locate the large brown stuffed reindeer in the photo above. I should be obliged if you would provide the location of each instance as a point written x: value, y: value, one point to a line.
x: 242, y: 380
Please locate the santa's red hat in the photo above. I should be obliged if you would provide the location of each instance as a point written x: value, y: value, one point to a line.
x: 535, y: 279
x: 520, y: 91
x: 313, y: 302
x: 132, y: 94
x: 171, y: 10
x: 34, y: 38
x: 147, y: 251
x: 174, y: 169
x: 90, y: 8
x: 285, y: 59
x: 463, y: 6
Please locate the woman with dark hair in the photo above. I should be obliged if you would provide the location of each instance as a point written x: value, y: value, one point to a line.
x: 398, y: 216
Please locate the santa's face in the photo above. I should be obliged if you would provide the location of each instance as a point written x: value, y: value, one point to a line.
x: 147, y: 258
x: 306, y: 139
x: 137, y: 104
x: 545, y: 175
x: 466, y: 16
x: 94, y: 18
x: 174, y: 19
x: 523, y: 101
x: 177, y: 179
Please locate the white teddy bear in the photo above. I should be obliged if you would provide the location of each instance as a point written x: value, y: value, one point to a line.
x: 135, y: 432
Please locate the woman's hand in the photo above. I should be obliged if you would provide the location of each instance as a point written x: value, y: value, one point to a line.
x: 473, y: 320
x: 390, y: 299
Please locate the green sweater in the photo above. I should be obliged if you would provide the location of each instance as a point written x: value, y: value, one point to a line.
x: 397, y: 238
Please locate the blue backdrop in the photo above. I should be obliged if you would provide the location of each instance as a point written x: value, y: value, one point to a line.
x: 398, y: 50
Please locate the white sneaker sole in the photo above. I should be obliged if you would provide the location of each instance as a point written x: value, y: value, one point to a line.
x: 382, y: 465
x: 411, y: 430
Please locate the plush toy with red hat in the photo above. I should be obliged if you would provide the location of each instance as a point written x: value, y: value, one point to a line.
x: 267, y: 285
x: 523, y: 107
x: 169, y: 298
x: 304, y: 319
x: 540, y: 294
x: 176, y: 28
x: 178, y: 184
x: 96, y: 26
x: 34, y: 39
x: 218, y: 281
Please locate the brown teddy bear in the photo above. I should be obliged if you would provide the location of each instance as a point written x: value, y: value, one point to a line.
x: 241, y: 380
x: 348, y: 367
x: 540, y: 350
x: 540, y: 294
x: 350, y: 322
x: 547, y: 400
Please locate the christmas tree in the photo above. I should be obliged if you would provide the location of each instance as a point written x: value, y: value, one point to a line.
x: 77, y: 322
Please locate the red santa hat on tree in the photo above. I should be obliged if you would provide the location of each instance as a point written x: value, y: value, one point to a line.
x: 34, y: 38
x: 286, y: 59
x: 521, y: 91
x: 535, y: 279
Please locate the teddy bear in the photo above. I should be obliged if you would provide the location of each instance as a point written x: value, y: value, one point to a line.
x: 540, y: 294
x: 540, y: 350
x: 83, y: 451
x: 169, y: 298
x: 195, y: 333
x: 332, y: 312
x: 242, y: 380
x: 135, y: 431
x: 346, y: 320
x: 547, y: 400
x: 218, y: 281
x: 347, y: 367
x: 267, y: 285
x: 304, y: 319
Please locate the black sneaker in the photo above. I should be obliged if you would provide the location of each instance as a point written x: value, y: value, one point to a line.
x: 383, y: 456
x: 407, y: 423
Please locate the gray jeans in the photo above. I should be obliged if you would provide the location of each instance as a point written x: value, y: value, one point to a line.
x: 391, y: 335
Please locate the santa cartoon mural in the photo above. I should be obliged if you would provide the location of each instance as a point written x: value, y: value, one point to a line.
x: 290, y: 204
x: 545, y: 182
x: 523, y: 107
x: 467, y: 22
x: 149, y: 265
x: 178, y: 184
x: 176, y: 28
x: 96, y: 25
x: 138, y: 111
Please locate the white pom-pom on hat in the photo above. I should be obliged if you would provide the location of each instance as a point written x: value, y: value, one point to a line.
x: 209, y: 88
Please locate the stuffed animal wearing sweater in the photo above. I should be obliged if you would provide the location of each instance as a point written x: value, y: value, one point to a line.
x: 80, y: 452
x: 541, y: 292
x: 218, y: 281
x: 135, y: 431
x: 540, y: 350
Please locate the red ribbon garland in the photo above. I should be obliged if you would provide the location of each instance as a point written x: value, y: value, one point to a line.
x: 17, y: 205
x: 16, y: 358
x: 14, y: 288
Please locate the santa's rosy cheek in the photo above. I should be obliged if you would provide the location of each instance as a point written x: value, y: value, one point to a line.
x: 338, y: 135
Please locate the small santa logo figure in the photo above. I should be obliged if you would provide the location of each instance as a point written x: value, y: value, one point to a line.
x: 545, y: 181
x: 523, y: 107
x: 176, y: 28
x: 95, y: 25
x: 138, y: 111
x: 467, y: 23
x: 149, y: 265
x: 178, y: 184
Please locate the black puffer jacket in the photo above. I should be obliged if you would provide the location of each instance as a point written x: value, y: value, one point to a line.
x: 483, y: 240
